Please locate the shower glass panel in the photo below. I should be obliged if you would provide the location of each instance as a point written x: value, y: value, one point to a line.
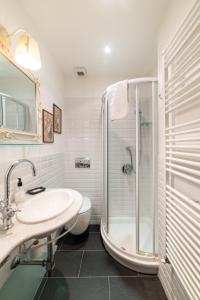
x: 146, y: 166
x: 121, y: 178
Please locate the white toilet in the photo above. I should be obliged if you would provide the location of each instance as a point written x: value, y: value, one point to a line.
x: 83, y: 217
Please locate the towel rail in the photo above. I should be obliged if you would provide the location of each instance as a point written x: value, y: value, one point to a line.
x: 186, y: 206
x: 194, y: 122
x: 190, y: 99
x: 185, y: 169
x: 185, y: 93
x: 186, y: 271
x: 183, y: 245
x: 180, y: 250
x: 184, y: 236
x: 178, y: 79
x: 194, y: 147
x: 183, y: 132
x: 183, y: 140
x: 183, y: 161
x: 187, y: 177
x: 183, y: 197
x: 184, y: 154
x: 188, y: 54
x: 183, y: 230
x: 181, y: 74
x: 189, y: 26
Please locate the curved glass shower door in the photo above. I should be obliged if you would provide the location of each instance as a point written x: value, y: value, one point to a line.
x: 131, y: 172
x: 146, y: 140
x: 122, y: 178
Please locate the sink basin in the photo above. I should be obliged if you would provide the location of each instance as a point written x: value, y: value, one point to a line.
x: 45, y: 206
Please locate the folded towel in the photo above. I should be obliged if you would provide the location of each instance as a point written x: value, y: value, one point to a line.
x: 117, y: 96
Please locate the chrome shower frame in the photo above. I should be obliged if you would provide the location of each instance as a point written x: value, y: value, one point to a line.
x: 105, y: 148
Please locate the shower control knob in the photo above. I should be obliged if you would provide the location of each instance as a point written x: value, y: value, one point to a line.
x: 127, y: 169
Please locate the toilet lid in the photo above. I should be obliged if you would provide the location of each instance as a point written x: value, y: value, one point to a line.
x: 86, y: 205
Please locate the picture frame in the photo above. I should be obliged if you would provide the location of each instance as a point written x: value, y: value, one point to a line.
x: 47, y: 122
x: 57, y: 119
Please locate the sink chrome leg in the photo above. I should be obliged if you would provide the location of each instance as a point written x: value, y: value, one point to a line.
x: 50, y: 257
x: 49, y: 263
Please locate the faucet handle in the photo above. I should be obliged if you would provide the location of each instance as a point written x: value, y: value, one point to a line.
x: 16, y: 210
x: 11, y: 212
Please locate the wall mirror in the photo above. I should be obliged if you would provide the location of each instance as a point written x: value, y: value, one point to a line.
x: 19, y: 104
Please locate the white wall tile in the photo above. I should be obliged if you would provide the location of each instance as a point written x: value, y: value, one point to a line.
x: 83, y: 139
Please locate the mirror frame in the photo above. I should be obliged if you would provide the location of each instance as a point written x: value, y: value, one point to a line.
x: 13, y: 136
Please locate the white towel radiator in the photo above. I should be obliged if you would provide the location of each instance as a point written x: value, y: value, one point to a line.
x: 181, y: 65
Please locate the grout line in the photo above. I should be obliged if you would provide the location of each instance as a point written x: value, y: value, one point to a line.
x: 109, y: 288
x: 148, y: 275
x: 82, y: 277
x: 80, y: 264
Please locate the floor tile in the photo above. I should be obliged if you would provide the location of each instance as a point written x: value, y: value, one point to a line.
x: 99, y: 263
x: 76, y: 289
x: 91, y: 241
x: 94, y: 228
x: 127, y: 288
x: 154, y: 289
x: 136, y: 288
x: 67, y: 264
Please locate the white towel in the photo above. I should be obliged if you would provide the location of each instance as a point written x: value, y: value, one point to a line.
x: 117, y: 96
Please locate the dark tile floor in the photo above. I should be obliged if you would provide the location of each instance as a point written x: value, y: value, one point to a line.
x: 85, y: 271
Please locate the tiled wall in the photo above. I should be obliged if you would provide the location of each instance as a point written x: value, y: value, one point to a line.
x: 83, y: 139
x: 122, y: 186
x: 50, y: 172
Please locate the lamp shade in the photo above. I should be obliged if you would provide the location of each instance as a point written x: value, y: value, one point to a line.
x: 27, y: 53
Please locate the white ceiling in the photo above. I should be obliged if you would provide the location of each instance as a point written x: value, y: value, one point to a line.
x: 76, y: 32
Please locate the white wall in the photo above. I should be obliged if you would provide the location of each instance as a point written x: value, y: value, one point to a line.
x: 174, y: 16
x: 12, y: 16
x: 83, y: 137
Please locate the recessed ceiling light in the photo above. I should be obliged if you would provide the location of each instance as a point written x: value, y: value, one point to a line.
x: 107, y: 49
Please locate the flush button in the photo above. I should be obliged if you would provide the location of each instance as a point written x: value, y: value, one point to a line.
x: 82, y: 162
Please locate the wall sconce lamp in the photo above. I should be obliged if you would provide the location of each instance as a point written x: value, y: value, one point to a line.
x: 26, y: 53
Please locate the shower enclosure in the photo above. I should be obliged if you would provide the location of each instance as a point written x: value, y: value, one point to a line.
x: 129, y: 223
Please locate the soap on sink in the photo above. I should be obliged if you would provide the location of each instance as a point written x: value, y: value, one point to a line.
x: 20, y: 193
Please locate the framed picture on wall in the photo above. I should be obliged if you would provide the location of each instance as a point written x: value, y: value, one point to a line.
x: 47, y: 121
x: 57, y: 119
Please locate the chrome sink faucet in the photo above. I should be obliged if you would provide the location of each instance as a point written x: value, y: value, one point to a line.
x: 5, y: 205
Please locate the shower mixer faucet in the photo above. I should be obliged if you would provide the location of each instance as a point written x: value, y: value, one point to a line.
x: 128, y: 168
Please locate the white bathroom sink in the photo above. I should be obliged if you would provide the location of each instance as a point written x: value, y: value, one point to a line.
x: 45, y: 206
